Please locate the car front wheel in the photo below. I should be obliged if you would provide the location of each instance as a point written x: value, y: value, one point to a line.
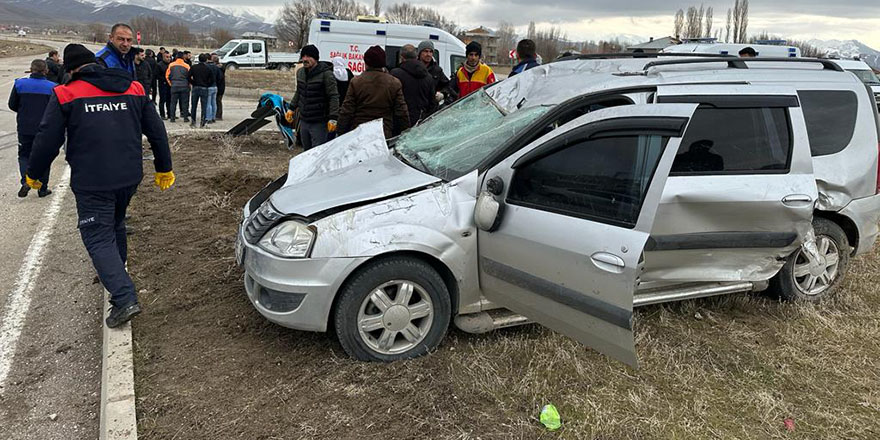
x: 395, y: 308
x: 812, y: 278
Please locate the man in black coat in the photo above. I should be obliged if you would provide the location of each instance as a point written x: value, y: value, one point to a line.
x: 201, y: 77
x: 154, y: 72
x: 104, y: 114
x: 56, y: 72
x: 221, y: 87
x: 143, y: 71
x: 418, y: 84
x: 163, y: 87
x: 442, y: 91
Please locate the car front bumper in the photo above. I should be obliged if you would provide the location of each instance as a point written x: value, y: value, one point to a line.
x: 865, y: 213
x: 294, y: 293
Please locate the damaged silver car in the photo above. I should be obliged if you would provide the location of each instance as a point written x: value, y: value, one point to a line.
x: 566, y: 196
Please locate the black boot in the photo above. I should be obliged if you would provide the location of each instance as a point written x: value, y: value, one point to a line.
x: 43, y: 192
x: 24, y: 190
x: 121, y: 315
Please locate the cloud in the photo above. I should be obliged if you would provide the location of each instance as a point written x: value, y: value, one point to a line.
x: 594, y: 19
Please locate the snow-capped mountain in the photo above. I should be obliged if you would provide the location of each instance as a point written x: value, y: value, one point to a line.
x: 263, y: 14
x: 848, y: 49
x: 198, y: 17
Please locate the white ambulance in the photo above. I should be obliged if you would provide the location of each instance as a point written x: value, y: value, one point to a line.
x: 351, y: 39
x: 711, y: 47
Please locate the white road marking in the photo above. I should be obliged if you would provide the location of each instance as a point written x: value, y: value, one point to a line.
x: 20, y: 299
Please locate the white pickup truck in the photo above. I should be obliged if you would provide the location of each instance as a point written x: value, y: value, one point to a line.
x: 254, y: 54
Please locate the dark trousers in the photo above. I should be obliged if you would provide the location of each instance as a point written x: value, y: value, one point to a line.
x: 25, y: 142
x: 153, y: 85
x: 219, y: 115
x: 164, y: 100
x: 102, y: 227
x: 199, y: 94
x: 312, y: 134
x: 179, y: 97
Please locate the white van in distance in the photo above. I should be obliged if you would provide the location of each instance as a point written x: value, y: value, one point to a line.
x: 351, y: 39
x: 711, y: 47
x: 254, y: 54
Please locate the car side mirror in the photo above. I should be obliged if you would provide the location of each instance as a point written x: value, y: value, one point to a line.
x: 487, y: 213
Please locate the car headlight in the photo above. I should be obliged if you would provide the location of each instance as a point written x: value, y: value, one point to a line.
x: 289, y: 239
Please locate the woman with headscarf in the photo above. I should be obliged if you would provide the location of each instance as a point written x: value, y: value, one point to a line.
x: 343, y: 75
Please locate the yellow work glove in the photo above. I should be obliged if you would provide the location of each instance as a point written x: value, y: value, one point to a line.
x: 289, y: 116
x: 331, y: 126
x: 165, y: 180
x: 35, y: 184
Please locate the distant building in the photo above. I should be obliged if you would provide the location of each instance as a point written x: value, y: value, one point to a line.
x: 271, y: 40
x: 654, y: 45
x: 488, y: 39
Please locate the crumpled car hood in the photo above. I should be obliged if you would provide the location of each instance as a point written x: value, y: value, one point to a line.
x: 351, y: 169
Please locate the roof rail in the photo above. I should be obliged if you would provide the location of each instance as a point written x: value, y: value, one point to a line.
x: 740, y: 63
x: 609, y: 56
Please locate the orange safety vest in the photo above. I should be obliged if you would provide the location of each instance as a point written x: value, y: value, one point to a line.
x: 481, y: 77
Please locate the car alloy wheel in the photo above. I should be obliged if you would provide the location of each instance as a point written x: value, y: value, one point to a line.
x: 395, y: 317
x: 815, y: 274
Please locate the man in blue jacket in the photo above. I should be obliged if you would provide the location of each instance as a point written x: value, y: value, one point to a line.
x: 526, y: 53
x: 117, y: 54
x: 105, y: 113
x: 29, y: 98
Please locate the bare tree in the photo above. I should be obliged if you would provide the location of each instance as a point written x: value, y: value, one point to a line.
x: 97, y: 32
x: 221, y: 35
x: 744, y: 20
x: 694, y: 22
x: 727, y: 28
x: 708, y: 21
x: 531, y: 32
x: 377, y: 7
x: 548, y: 42
x: 296, y: 16
x: 293, y: 23
x: 506, y: 34
x: 679, y: 24
x: 407, y: 13
x: 342, y: 9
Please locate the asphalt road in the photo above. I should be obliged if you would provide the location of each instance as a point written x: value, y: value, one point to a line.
x: 50, y: 346
x: 50, y: 312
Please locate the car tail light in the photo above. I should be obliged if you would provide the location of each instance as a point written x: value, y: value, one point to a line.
x: 877, y: 190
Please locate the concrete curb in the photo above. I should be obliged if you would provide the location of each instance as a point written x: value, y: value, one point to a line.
x: 118, y: 418
x: 245, y: 93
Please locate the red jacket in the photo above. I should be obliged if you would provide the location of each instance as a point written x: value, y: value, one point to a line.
x: 467, y: 82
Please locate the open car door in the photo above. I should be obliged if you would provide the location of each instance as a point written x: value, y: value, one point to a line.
x: 563, y: 222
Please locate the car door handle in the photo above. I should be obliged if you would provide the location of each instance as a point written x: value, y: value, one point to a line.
x: 608, y: 262
x: 797, y: 200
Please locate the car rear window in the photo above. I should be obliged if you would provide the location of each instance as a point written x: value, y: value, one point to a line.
x: 735, y: 141
x: 831, y: 119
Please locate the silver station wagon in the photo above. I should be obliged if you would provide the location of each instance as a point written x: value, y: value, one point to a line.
x: 568, y: 195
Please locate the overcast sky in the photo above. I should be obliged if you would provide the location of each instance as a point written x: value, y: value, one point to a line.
x: 590, y: 19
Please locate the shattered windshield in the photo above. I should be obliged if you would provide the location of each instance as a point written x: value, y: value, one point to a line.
x: 453, y: 142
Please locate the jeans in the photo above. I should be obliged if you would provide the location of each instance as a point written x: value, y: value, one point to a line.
x: 219, y: 115
x: 312, y: 134
x: 25, y: 142
x: 212, y: 103
x: 179, y: 96
x: 164, y: 100
x: 102, y: 227
x: 199, y: 94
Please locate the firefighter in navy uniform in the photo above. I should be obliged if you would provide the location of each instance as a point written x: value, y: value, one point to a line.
x: 104, y: 113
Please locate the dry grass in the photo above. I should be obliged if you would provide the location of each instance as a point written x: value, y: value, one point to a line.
x: 282, y: 83
x: 20, y: 48
x: 731, y: 367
